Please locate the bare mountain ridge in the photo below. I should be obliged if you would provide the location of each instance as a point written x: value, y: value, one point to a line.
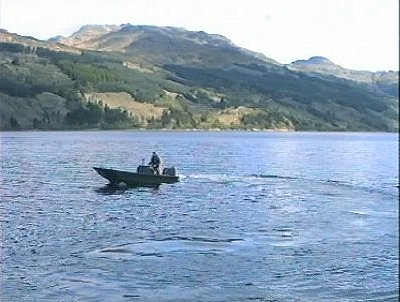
x: 85, y: 37
x: 7, y: 37
x: 322, y: 65
x: 154, y: 44
x: 100, y: 33
x: 135, y: 39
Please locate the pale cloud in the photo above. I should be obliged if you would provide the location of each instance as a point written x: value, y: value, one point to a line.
x: 358, y: 34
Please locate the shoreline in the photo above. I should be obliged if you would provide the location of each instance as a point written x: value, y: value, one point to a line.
x: 198, y: 130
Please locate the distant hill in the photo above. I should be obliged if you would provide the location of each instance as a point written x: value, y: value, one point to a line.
x: 126, y: 76
x: 385, y: 81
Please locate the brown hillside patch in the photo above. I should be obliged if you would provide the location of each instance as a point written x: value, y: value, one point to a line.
x: 123, y: 100
x: 138, y: 66
x: 232, y: 116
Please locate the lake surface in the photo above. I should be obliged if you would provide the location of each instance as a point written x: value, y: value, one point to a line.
x: 256, y: 217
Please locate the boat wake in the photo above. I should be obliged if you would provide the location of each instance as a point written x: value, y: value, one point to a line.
x: 170, y: 245
x: 273, y: 176
x: 259, y: 179
x: 215, y: 178
x: 387, y: 190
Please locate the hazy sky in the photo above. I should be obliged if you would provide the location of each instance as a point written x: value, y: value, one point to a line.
x: 356, y: 34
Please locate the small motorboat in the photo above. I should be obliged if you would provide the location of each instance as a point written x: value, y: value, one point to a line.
x: 144, y: 176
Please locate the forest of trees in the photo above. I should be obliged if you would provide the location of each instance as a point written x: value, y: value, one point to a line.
x: 93, y: 115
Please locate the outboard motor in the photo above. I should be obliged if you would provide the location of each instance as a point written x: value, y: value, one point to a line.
x: 169, y: 171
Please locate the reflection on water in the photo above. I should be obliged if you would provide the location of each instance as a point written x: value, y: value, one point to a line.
x: 111, y: 189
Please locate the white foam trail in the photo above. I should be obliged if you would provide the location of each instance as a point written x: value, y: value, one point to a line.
x: 215, y: 177
x: 358, y: 212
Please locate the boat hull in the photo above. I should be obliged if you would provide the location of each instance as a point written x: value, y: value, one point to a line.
x: 134, y: 179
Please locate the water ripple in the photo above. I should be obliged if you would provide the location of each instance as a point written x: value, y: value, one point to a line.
x: 286, y: 218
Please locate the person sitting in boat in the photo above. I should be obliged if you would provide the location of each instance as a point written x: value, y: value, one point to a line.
x: 155, y: 163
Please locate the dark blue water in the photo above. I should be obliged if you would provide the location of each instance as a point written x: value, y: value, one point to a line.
x: 256, y: 217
